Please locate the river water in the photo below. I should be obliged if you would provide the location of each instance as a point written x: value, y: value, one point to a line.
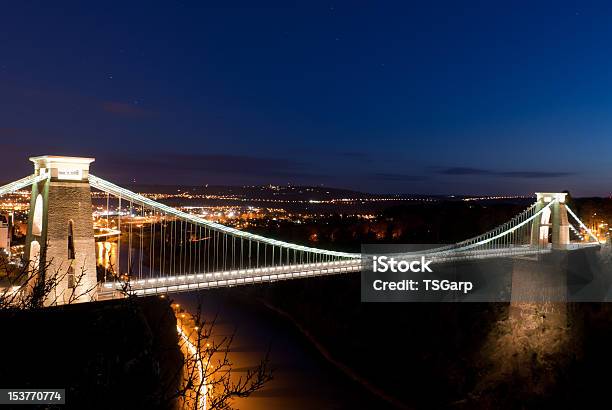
x: 303, y: 379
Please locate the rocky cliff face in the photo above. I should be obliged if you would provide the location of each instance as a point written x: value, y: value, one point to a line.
x: 113, y: 354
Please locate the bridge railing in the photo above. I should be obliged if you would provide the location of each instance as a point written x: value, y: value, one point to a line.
x: 21, y: 183
x: 157, y: 240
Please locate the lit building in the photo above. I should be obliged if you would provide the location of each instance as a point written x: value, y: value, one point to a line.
x: 5, y: 233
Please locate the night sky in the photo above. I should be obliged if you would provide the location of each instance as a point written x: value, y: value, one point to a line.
x: 407, y: 97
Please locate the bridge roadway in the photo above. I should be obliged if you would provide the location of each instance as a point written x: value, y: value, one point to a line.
x: 230, y: 278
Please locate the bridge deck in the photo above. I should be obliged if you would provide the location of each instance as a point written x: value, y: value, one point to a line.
x: 229, y: 278
x: 184, y: 283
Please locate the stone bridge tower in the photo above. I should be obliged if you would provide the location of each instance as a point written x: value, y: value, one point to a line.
x: 60, y: 234
x: 554, y: 217
x: 539, y: 289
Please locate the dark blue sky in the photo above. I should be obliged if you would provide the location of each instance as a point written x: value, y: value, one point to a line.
x: 423, y: 97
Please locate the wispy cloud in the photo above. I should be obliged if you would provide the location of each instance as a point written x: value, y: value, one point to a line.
x: 459, y: 171
x: 463, y: 171
x: 535, y: 174
x: 398, y: 177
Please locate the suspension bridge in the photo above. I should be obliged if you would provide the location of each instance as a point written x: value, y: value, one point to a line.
x: 161, y: 249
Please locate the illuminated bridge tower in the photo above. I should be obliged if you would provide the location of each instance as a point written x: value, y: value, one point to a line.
x: 554, y: 217
x: 60, y: 234
x: 539, y: 291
